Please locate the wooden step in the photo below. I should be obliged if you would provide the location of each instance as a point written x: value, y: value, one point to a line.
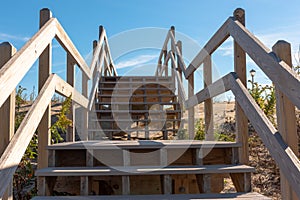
x: 146, y: 144
x: 229, y: 196
x: 143, y: 170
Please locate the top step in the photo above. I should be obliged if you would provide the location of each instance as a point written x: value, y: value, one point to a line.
x: 143, y: 144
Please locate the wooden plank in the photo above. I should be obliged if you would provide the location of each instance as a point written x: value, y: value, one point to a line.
x: 278, y: 71
x: 125, y: 177
x: 228, y: 196
x: 191, y: 110
x: 240, y: 70
x: 147, y: 144
x: 63, y: 88
x: 287, y: 161
x: 126, y: 171
x: 218, y: 87
x: 7, y: 112
x: 70, y: 136
x: 241, y: 181
x: 45, y: 65
x: 25, y: 58
x: 208, y: 104
x: 70, y: 48
x: 216, y: 40
x: 286, y: 116
x: 14, y: 152
x: 85, y: 114
x: 84, y: 185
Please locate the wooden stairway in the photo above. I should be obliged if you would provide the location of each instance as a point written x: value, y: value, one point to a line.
x: 124, y: 159
x: 162, y: 167
x: 136, y: 108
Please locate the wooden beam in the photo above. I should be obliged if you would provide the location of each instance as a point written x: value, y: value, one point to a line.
x: 277, y: 70
x: 13, y: 154
x: 85, y: 114
x: 240, y: 118
x: 208, y: 104
x: 7, y: 112
x: 216, y: 88
x: 70, y: 137
x: 70, y: 48
x: 286, y: 117
x: 215, y: 41
x: 45, y: 64
x: 283, y: 155
x: 191, y: 110
x: 25, y: 57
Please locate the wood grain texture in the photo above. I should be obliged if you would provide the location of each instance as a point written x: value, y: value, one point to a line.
x: 7, y: 112
x: 280, y: 151
x: 45, y: 69
x: 286, y: 116
x: 11, y: 74
x: 277, y: 70
x: 240, y: 69
x: 16, y: 148
x: 215, y: 41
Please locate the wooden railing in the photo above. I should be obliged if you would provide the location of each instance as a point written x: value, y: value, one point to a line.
x: 273, y: 64
x: 39, y: 115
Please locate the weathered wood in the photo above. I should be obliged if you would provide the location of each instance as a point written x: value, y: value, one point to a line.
x: 70, y: 48
x: 84, y: 185
x: 278, y: 71
x: 7, y: 112
x: 216, y: 40
x: 216, y: 88
x: 208, y: 104
x: 282, y: 154
x: 14, y: 151
x: 147, y: 144
x: 25, y: 58
x: 286, y: 116
x: 66, y: 90
x: 45, y: 65
x: 191, y: 110
x: 85, y: 114
x: 143, y: 170
x: 125, y: 177
x: 70, y: 136
x: 241, y: 181
x: 226, y: 196
x: 240, y: 70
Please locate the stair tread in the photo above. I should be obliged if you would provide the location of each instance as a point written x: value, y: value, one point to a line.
x: 138, y: 111
x: 227, y: 196
x: 137, y: 103
x: 146, y: 170
x: 132, y: 130
x: 145, y: 144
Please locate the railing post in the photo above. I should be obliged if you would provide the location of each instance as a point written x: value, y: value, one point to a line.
x: 179, y: 45
x: 208, y: 104
x: 173, y: 46
x: 191, y: 111
x: 7, y: 112
x: 240, y: 118
x: 70, y: 137
x: 44, y: 135
x: 286, y: 116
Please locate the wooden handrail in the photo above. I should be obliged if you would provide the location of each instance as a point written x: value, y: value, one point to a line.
x: 14, y: 152
x: 282, y: 75
x: 286, y: 159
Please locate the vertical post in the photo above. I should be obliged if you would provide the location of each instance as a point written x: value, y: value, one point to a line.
x: 7, y: 112
x: 44, y: 135
x: 179, y: 45
x: 191, y: 111
x: 240, y: 69
x: 208, y: 104
x: 70, y: 137
x: 173, y: 46
x: 85, y: 114
x: 286, y: 116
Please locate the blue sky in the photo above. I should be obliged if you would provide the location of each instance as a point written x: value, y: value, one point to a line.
x: 195, y: 19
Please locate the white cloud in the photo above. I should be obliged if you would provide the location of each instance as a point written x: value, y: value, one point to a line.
x: 138, y: 60
x: 7, y: 37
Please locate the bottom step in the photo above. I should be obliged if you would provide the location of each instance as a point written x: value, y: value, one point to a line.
x: 241, y: 196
